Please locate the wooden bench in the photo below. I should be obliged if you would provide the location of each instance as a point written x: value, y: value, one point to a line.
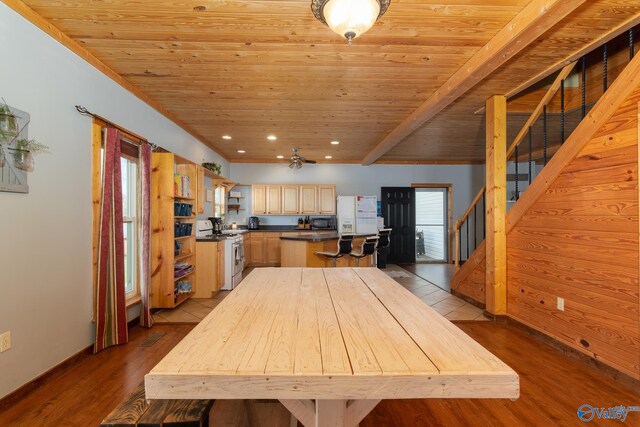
x: 136, y: 411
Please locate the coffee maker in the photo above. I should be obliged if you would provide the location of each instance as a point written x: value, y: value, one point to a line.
x: 217, y: 224
x: 253, y: 223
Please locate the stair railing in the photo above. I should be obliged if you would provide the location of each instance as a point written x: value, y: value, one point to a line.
x: 464, y: 223
x: 535, y: 158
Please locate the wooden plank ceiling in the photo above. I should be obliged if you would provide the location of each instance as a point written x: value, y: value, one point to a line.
x: 254, y: 68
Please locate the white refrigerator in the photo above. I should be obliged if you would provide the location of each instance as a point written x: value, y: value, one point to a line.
x: 357, y: 214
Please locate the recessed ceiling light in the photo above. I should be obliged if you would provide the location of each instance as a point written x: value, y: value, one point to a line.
x: 241, y: 151
x: 272, y: 137
x: 335, y: 142
x: 280, y: 157
x: 328, y: 157
x: 226, y: 137
x: 199, y: 8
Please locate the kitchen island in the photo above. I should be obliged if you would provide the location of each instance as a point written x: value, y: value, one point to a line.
x: 299, y: 250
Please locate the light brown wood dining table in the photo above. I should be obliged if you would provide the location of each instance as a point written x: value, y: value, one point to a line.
x: 329, y: 344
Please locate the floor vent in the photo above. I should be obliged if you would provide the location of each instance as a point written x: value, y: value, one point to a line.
x: 151, y: 339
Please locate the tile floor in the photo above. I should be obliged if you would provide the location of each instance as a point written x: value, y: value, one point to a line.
x: 451, y: 307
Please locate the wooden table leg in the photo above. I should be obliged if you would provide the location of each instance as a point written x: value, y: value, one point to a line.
x: 329, y: 413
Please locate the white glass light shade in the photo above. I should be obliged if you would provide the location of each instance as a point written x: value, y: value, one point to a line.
x: 351, y: 18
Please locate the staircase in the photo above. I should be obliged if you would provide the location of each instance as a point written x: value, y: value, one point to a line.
x: 573, y: 237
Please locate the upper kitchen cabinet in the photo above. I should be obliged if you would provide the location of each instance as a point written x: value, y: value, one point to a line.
x: 274, y: 199
x: 290, y: 201
x: 327, y: 199
x: 308, y: 199
x: 259, y: 199
x: 293, y: 199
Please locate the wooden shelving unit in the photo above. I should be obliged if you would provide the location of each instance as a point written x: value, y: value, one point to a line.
x: 163, y: 220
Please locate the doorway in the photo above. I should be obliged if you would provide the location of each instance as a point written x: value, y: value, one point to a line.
x: 398, y: 210
x: 432, y: 225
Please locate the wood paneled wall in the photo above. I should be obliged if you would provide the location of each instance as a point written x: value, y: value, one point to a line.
x: 470, y: 280
x: 579, y: 241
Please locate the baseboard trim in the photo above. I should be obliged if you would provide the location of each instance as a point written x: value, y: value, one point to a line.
x: 571, y: 352
x: 22, y: 391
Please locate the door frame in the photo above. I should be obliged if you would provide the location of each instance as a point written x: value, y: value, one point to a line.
x: 449, y: 188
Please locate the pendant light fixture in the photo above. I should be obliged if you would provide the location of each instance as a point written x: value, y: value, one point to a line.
x: 349, y: 18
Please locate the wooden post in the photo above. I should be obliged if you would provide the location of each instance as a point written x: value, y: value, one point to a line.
x: 456, y: 254
x: 496, y: 171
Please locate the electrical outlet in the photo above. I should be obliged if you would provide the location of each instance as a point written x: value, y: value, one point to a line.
x: 560, y: 304
x: 5, y: 341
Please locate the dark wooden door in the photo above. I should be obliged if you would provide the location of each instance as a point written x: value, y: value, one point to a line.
x: 399, y: 212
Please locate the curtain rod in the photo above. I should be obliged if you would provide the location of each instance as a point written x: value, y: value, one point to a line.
x: 82, y: 110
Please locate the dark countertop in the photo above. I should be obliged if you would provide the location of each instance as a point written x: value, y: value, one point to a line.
x: 212, y: 239
x: 319, y: 237
x: 312, y: 237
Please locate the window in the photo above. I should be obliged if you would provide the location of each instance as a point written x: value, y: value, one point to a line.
x: 431, y: 225
x: 130, y: 225
x: 219, y: 202
x: 129, y: 169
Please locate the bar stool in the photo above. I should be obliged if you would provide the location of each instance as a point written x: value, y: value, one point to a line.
x: 368, y: 248
x: 384, y: 241
x: 345, y: 246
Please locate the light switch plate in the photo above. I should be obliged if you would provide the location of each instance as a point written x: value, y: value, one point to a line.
x: 560, y: 304
x: 5, y: 341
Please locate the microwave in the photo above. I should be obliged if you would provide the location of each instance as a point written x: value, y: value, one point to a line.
x: 323, y: 224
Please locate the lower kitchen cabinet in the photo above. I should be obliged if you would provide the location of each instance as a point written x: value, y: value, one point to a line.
x: 247, y: 249
x: 264, y: 249
x: 273, y: 248
x: 209, y: 269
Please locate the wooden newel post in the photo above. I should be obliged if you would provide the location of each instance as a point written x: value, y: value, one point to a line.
x: 456, y: 264
x: 496, y: 205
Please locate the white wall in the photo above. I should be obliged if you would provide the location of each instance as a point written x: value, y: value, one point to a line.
x: 45, y: 236
x: 357, y: 180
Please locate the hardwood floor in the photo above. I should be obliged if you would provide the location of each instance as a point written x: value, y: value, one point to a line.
x: 553, y: 386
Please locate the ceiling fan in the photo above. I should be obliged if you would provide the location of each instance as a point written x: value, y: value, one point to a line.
x: 297, y: 160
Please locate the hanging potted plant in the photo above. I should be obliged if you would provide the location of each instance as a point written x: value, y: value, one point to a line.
x: 8, y: 122
x: 24, y: 152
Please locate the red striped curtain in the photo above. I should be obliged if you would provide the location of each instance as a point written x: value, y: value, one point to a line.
x: 111, y: 312
x: 144, y: 206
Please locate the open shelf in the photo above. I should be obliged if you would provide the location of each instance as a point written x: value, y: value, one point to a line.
x: 184, y: 198
x: 180, y: 257
x: 183, y: 297
x: 177, y: 279
x: 185, y: 217
x: 183, y: 237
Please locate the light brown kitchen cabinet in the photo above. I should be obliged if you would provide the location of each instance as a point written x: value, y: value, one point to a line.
x: 200, y: 189
x: 207, y: 268
x: 274, y: 199
x: 273, y: 248
x: 220, y: 266
x: 327, y: 199
x: 258, y: 248
x: 247, y: 249
x: 308, y: 199
x: 259, y: 199
x: 290, y: 205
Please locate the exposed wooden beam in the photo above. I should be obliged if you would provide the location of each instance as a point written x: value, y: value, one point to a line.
x: 533, y: 21
x: 496, y: 209
x: 538, y: 110
x: 37, y: 20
